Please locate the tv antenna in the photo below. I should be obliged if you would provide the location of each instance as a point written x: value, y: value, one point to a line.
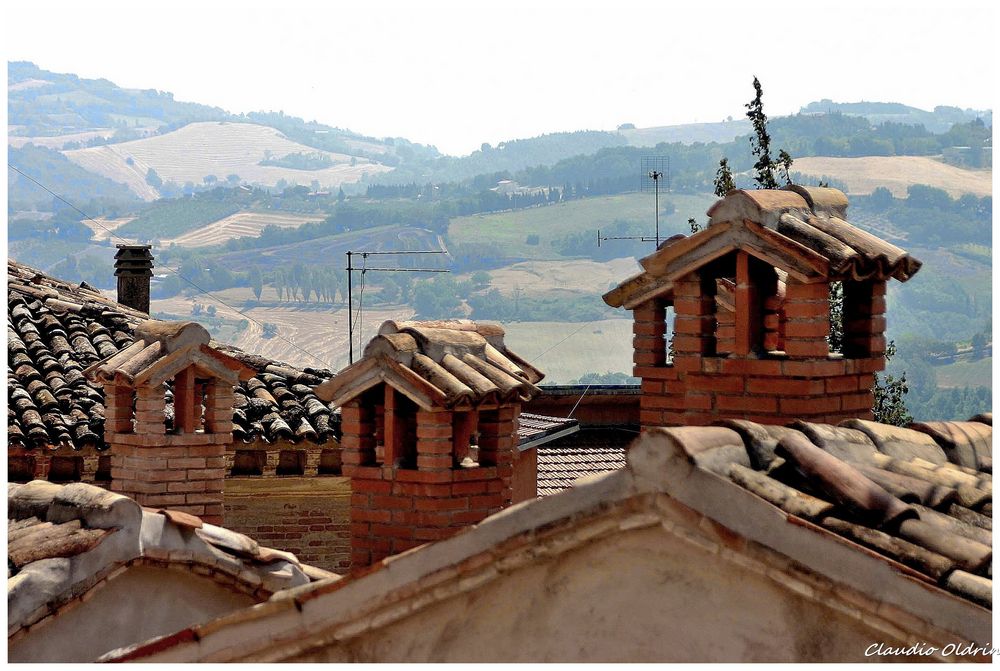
x: 655, y: 176
x: 365, y: 269
x: 655, y: 169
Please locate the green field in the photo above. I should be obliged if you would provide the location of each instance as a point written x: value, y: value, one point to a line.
x: 966, y: 373
x: 565, y: 351
x: 171, y: 218
x: 510, y: 230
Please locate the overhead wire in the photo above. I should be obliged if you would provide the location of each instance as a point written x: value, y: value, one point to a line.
x: 203, y: 291
x: 361, y: 299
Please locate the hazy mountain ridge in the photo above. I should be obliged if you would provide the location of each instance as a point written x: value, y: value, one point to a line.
x: 939, y: 120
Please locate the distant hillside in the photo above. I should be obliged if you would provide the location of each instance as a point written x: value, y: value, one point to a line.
x: 46, y: 103
x: 212, y: 151
x: 865, y: 174
x: 937, y: 121
x: 505, y: 157
x: 688, y: 133
x: 59, y: 174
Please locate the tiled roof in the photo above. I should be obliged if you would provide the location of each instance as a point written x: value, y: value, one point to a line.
x: 802, y: 230
x: 55, y: 330
x: 590, y: 451
x: 673, y: 482
x: 892, y: 490
x: 443, y: 364
x: 535, y: 430
x: 96, y: 533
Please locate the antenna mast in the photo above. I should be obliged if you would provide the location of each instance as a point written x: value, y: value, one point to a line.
x: 365, y: 269
x: 655, y: 169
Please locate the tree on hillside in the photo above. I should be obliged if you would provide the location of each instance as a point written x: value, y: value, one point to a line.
x: 256, y: 281
x: 153, y: 179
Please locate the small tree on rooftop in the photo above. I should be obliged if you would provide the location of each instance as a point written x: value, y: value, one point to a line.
x: 724, y: 179
x: 890, y: 404
x: 889, y: 391
x: 760, y: 144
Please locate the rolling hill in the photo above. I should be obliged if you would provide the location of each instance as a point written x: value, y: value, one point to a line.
x: 866, y: 173
x: 43, y: 103
x: 198, y: 150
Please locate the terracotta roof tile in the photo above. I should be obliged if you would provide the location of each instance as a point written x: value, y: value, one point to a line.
x: 587, y: 452
x: 804, y: 228
x: 886, y: 488
x: 450, y: 364
x: 94, y: 533
x: 55, y: 330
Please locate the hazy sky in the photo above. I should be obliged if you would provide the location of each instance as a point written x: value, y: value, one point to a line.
x: 456, y: 74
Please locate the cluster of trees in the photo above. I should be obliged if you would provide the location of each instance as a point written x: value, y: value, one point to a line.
x: 299, y: 161
x: 606, y: 378
x: 90, y: 268
x: 170, y: 217
x: 62, y: 225
x: 299, y: 283
x: 931, y: 217
x: 952, y: 403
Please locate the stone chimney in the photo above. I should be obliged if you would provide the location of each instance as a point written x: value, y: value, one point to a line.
x: 182, y: 468
x: 750, y: 297
x: 133, y: 268
x: 430, y: 429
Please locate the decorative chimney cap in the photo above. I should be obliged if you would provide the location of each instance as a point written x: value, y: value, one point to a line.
x: 133, y: 260
x: 173, y: 335
x: 798, y: 230
x: 443, y: 364
x: 161, y: 350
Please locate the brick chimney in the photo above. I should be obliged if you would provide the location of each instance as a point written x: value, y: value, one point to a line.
x: 750, y: 296
x: 183, y: 468
x: 429, y: 421
x: 133, y: 268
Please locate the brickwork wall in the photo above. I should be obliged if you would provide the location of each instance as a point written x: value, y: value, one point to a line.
x: 394, y: 509
x: 308, y: 516
x: 595, y: 408
x: 187, y: 474
x: 704, y: 385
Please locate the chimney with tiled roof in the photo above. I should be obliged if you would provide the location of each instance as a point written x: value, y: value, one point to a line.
x: 133, y: 268
x: 751, y: 301
x: 183, y: 468
x: 414, y: 409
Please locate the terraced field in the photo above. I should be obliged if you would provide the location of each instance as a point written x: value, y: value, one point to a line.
x: 864, y: 174
x: 241, y: 224
x: 197, y: 150
x: 59, y: 141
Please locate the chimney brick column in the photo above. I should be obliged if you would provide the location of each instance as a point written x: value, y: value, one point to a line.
x: 133, y: 268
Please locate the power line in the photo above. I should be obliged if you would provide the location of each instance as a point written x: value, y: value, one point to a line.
x: 578, y: 401
x: 581, y: 327
x: 205, y: 292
